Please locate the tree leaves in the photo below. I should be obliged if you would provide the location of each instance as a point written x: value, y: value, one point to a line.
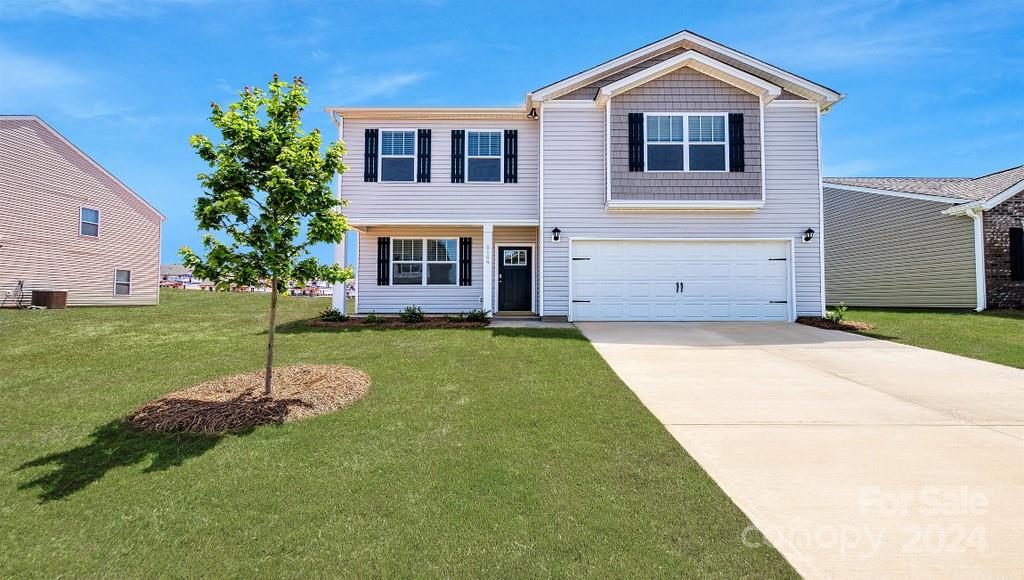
x: 268, y: 195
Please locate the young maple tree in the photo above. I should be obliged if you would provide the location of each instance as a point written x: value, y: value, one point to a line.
x: 268, y: 197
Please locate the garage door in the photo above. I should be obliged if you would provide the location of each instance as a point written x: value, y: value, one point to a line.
x: 680, y: 280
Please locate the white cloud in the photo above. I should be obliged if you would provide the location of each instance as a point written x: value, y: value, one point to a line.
x: 32, y: 84
x: 356, y: 89
x: 89, y: 8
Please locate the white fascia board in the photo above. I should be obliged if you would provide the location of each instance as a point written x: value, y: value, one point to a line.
x: 639, y: 205
x: 361, y: 223
x: 429, y: 113
x: 701, y: 63
x: 814, y: 91
x: 904, y: 194
x: 1005, y: 195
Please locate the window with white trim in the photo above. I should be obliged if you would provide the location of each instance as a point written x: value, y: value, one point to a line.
x: 437, y: 266
x: 686, y: 142
x: 89, y: 222
x: 406, y: 262
x: 397, y: 156
x: 483, y: 156
x: 122, y: 282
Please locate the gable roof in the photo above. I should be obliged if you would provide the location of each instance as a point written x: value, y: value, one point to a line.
x: 986, y: 188
x: 824, y: 96
x: 9, y: 121
x: 765, y: 90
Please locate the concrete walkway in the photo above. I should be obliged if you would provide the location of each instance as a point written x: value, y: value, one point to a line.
x: 856, y: 457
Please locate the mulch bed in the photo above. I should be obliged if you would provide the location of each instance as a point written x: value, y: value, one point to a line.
x: 827, y: 324
x: 236, y: 402
x: 431, y: 322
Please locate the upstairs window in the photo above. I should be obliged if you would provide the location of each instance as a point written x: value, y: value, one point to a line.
x: 89, y: 222
x: 686, y: 142
x: 706, y: 138
x: 398, y: 154
x: 483, y: 156
x: 665, y: 148
x: 122, y: 282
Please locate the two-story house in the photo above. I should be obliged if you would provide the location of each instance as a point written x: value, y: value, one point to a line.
x: 680, y: 181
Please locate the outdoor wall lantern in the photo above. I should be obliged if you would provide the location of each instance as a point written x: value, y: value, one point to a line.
x: 808, y: 234
x: 556, y: 234
x: 532, y: 114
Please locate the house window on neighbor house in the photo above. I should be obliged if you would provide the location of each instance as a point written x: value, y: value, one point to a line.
x: 397, y: 156
x: 686, y: 142
x: 483, y: 156
x: 122, y: 282
x: 89, y: 222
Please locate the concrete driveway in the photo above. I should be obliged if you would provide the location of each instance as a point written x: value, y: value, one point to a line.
x: 856, y: 457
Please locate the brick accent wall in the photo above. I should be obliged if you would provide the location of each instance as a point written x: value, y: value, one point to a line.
x: 1002, y: 292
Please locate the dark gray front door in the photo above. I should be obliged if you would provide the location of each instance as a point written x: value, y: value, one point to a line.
x: 515, y: 282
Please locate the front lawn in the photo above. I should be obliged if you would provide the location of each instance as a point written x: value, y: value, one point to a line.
x: 490, y: 452
x: 993, y: 335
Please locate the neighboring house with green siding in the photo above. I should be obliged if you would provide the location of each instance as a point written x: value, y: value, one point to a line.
x: 933, y: 242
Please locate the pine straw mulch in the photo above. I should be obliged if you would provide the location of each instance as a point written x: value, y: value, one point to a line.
x: 236, y: 402
x: 430, y: 322
x: 848, y: 325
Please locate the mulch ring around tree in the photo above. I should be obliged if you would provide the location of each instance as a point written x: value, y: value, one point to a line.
x: 827, y: 324
x: 430, y: 322
x: 236, y: 402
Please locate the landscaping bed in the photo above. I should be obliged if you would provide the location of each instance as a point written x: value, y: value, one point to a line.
x: 847, y: 325
x: 382, y: 322
x: 237, y: 402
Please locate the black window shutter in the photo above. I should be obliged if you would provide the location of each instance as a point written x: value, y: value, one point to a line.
x: 423, y: 156
x: 465, y: 261
x: 1017, y: 253
x: 736, y: 142
x: 458, y: 156
x: 370, y: 155
x: 383, y: 261
x: 636, y: 141
x: 511, y: 156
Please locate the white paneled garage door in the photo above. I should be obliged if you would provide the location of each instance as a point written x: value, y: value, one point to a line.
x: 680, y: 280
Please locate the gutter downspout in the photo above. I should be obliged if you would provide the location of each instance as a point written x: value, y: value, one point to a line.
x: 542, y: 238
x: 979, y: 255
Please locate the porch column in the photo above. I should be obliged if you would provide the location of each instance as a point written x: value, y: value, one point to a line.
x: 340, y: 258
x: 488, y: 252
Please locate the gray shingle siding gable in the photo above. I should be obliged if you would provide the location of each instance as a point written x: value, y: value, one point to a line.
x: 686, y: 91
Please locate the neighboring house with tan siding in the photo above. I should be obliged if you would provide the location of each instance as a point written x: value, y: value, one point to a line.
x: 945, y: 242
x: 68, y: 224
x: 679, y: 181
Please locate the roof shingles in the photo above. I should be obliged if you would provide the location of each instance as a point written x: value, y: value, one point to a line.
x: 966, y: 188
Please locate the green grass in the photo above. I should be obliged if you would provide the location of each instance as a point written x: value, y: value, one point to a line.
x: 476, y: 453
x: 993, y: 335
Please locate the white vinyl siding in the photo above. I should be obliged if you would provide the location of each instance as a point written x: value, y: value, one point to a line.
x: 887, y: 251
x: 441, y: 200
x: 574, y: 196
x: 393, y: 298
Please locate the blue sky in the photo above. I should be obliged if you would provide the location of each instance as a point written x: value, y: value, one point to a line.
x: 933, y: 88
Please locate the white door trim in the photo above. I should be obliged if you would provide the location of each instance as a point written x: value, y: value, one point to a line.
x: 533, y: 271
x: 791, y: 299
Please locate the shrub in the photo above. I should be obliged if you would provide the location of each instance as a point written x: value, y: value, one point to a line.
x: 333, y: 315
x: 373, y: 318
x: 411, y: 315
x: 837, y: 314
x: 478, y: 315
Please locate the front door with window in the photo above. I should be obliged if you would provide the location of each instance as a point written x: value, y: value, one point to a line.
x: 514, y: 278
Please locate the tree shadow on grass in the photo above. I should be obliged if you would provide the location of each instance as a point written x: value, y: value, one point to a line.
x: 115, y: 444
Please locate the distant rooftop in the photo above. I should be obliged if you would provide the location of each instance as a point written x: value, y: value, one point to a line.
x: 174, y: 270
x: 965, y: 188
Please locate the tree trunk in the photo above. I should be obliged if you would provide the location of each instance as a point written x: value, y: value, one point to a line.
x: 268, y: 379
